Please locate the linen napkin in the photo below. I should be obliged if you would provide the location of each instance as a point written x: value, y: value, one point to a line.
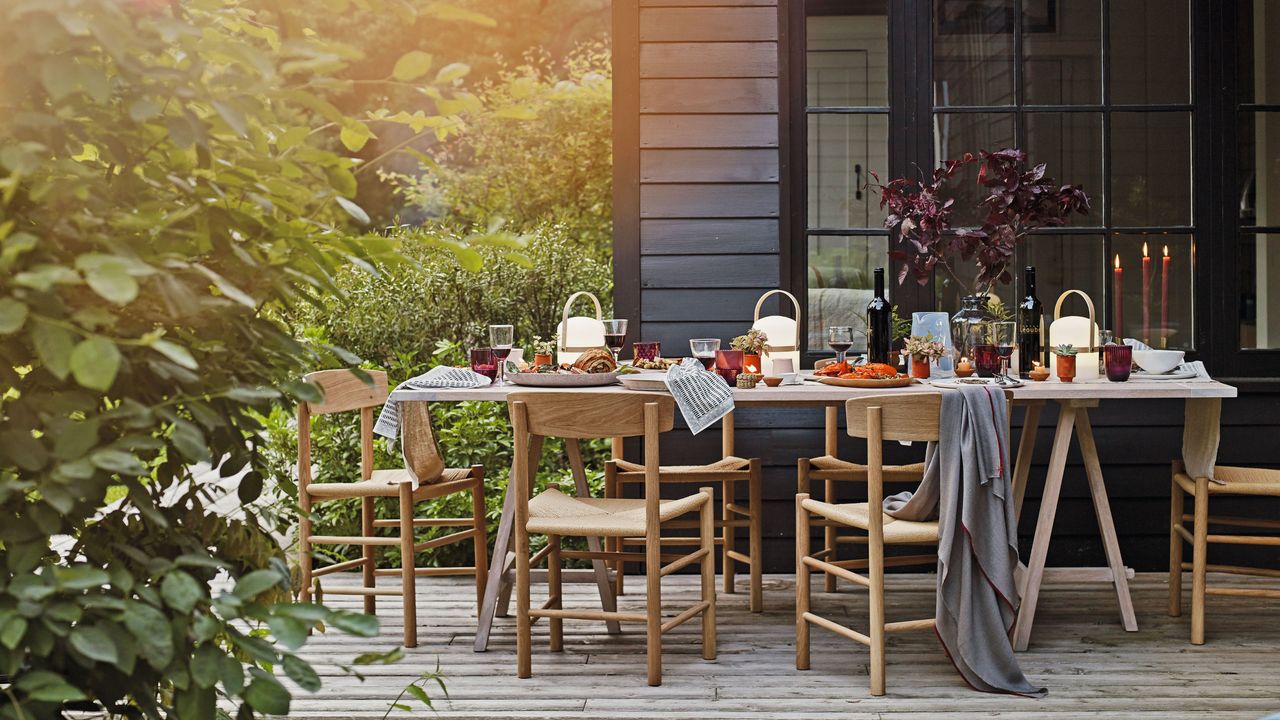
x: 703, y: 397
x: 441, y: 376
x: 1201, y: 428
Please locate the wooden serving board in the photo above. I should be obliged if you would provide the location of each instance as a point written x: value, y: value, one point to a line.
x: 867, y: 382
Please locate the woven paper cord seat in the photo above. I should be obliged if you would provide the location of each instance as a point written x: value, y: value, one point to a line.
x: 1237, y: 481
x: 554, y: 513
x: 728, y: 464
x: 827, y: 462
x: 386, y: 483
x: 856, y: 515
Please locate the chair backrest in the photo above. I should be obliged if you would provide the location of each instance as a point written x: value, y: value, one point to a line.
x: 592, y: 415
x: 344, y: 390
x: 907, y: 416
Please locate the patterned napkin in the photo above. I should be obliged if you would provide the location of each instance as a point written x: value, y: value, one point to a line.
x: 703, y: 397
x: 440, y: 376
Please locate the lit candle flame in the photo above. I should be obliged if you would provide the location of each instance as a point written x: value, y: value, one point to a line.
x: 1117, y: 261
x: 1166, y: 251
x: 751, y: 368
x: 1144, y: 250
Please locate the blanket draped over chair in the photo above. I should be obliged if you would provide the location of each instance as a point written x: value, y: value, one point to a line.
x: 967, y: 487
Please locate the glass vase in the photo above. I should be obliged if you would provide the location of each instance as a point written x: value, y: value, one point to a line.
x: 970, y: 327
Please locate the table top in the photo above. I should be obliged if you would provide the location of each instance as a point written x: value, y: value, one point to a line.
x: 817, y: 394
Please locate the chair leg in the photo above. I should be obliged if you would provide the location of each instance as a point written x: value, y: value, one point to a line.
x: 653, y: 604
x: 708, y: 535
x: 524, y: 648
x: 1199, y: 559
x: 408, y: 578
x: 756, y: 500
x: 727, y: 564
x: 876, y: 602
x: 802, y: 583
x: 555, y: 594
x: 829, y: 542
x: 369, y: 553
x: 1176, y: 500
x: 304, y: 548
x: 614, y: 544
x: 481, y: 538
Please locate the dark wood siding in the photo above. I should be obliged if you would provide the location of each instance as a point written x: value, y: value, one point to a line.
x: 697, y: 232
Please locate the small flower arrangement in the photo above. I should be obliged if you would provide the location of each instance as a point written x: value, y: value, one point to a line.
x: 925, y: 347
x: 543, y: 347
x: 1067, y: 350
x: 755, y: 342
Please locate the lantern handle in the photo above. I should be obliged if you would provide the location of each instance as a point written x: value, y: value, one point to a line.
x: 794, y: 301
x: 1093, y: 325
x: 564, y: 320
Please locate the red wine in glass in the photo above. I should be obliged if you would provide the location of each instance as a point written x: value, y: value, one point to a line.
x: 708, y: 361
x: 615, y: 342
x: 501, y: 353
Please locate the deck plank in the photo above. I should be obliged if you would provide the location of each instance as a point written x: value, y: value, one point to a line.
x: 1093, y: 669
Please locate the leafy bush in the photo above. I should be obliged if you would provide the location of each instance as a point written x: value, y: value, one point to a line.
x: 169, y: 173
x: 545, y: 158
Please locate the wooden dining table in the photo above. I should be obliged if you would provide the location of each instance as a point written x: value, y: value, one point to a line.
x: 1074, y: 400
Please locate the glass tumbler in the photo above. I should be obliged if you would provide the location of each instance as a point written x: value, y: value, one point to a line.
x: 1119, y: 362
x: 484, y: 363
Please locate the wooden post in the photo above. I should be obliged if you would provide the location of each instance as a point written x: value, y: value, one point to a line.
x: 367, y: 512
x: 408, y: 578
x: 1176, y: 500
x: 653, y: 546
x: 518, y: 494
x: 481, y: 539
x: 1106, y: 524
x: 756, y: 535
x: 607, y: 600
x: 728, y: 534
x: 304, y: 501
x: 708, y: 534
x: 802, y: 583
x: 830, y: 545
x: 1199, y: 558
x: 1026, y: 451
x: 875, y: 546
x: 502, y: 543
x: 556, y: 599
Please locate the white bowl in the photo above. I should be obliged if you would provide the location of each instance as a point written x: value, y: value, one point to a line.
x: 1158, y: 362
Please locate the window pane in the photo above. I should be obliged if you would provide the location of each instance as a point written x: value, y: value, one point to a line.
x: 847, y: 54
x: 840, y: 284
x: 959, y: 133
x: 1260, y: 292
x: 1169, y: 305
x: 1259, y: 168
x: 1151, y: 166
x: 1066, y: 262
x: 842, y: 148
x: 973, y: 52
x: 1062, y: 48
x: 1150, y: 51
x: 1071, y: 145
x: 1259, y: 24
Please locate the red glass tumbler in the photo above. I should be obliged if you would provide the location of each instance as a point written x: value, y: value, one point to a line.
x: 728, y: 365
x: 483, y: 362
x: 1119, y: 360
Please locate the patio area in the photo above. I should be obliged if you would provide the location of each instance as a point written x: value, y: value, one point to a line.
x: 1091, y: 666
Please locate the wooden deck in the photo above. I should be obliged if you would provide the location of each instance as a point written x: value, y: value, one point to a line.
x: 1091, y: 666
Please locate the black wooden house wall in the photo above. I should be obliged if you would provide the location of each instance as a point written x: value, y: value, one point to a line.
x: 697, y: 208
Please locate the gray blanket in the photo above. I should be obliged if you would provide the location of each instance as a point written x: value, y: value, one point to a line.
x: 966, y: 487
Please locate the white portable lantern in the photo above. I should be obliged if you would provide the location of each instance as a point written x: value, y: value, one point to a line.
x: 783, y: 334
x: 579, y: 334
x: 1078, y: 331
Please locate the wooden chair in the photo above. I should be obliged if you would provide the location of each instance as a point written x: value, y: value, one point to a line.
x: 537, y: 415
x: 877, y: 418
x: 345, y: 392
x: 830, y: 469
x: 1240, y: 482
x: 726, y: 472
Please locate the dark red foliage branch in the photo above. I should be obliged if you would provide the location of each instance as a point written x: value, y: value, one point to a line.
x: 1019, y: 200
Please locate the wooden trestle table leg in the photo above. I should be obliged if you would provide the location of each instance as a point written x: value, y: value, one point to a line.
x: 607, y: 599
x: 498, y: 561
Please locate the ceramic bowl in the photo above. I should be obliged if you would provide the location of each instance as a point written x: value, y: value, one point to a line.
x: 1158, y: 362
x: 772, y: 381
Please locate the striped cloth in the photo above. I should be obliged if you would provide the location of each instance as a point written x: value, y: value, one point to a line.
x: 703, y: 397
x: 441, y: 376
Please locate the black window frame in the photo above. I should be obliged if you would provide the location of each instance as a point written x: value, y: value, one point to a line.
x: 1214, y: 109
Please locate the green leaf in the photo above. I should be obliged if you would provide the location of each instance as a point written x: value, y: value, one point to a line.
x: 112, y: 281
x: 94, y: 643
x: 412, y: 65
x: 175, y: 352
x: 301, y: 672
x: 256, y: 583
x: 181, y: 591
x: 451, y: 72
x: 353, y: 210
x: 54, y: 344
x: 382, y: 658
x: 118, y: 461
x: 12, y: 631
x: 231, y: 675
x: 449, y: 11
x: 355, y: 623
x: 151, y: 629
x: 204, y: 665
x: 266, y: 695
x: 95, y: 362
x: 46, y: 686
x: 250, y: 488
x: 310, y: 612
x: 289, y: 633
x: 80, y: 577
x: 354, y: 135
x: 24, y: 449
x: 198, y: 703
x: 190, y: 441
x: 232, y: 116
x: 13, y: 314
x: 416, y: 690
x: 143, y: 109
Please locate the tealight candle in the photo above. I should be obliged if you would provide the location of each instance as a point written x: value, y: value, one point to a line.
x: 964, y: 368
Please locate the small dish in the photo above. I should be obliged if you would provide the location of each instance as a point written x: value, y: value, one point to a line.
x: 773, y: 381
x: 1158, y: 362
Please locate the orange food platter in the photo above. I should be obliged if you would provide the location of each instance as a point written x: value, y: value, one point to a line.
x: 880, y: 383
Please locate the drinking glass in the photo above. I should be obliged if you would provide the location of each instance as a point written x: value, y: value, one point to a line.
x: 482, y: 362
x: 705, y: 350
x: 729, y: 365
x: 646, y: 351
x: 840, y: 339
x: 501, y: 338
x: 1119, y: 362
x: 1004, y: 335
x: 615, y: 335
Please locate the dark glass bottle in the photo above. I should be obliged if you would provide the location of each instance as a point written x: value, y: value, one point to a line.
x: 879, y: 323
x: 1030, y: 326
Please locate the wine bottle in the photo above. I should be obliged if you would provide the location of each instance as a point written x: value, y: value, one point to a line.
x: 879, y: 323
x: 1030, y: 326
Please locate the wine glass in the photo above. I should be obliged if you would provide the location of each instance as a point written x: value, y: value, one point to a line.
x: 501, y: 338
x: 705, y: 350
x: 615, y: 335
x: 840, y: 339
x: 1004, y: 335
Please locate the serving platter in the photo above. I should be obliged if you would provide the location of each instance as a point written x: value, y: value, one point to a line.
x: 651, y: 381
x: 957, y: 382
x: 876, y: 383
x: 1175, y: 375
x: 558, y: 380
